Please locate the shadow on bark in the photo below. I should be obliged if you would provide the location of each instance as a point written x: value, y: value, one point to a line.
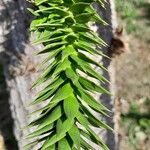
x: 6, y: 121
x: 106, y: 32
x: 14, y: 22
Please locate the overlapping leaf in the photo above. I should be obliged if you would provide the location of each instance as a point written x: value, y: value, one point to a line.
x: 62, y: 27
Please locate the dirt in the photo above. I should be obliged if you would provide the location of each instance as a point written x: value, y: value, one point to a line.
x: 133, y: 84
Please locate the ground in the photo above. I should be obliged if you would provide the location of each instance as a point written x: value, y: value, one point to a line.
x: 133, y: 75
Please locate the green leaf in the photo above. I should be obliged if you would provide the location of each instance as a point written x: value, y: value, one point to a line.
x: 89, y: 60
x: 98, y: 38
x: 85, y: 145
x: 32, y: 11
x: 93, y: 103
x: 69, y: 2
x: 63, y: 145
x: 89, y: 48
x: 65, y: 121
x: 53, y: 116
x: 54, y: 84
x: 74, y: 133
x: 53, y: 147
x: 58, y: 125
x: 51, y: 40
x: 87, y: 37
x: 96, y: 17
x: 55, y: 10
x: 71, y: 106
x: 37, y: 21
x: 88, y: 136
x: 43, y: 25
x: 45, y: 96
x: 83, y: 17
x: 31, y: 144
x: 52, y: 47
x: 66, y: 125
x: 68, y: 51
x: 51, y: 141
x: 91, y: 86
x: 43, y: 111
x: 88, y: 69
x: 40, y: 131
x: 63, y: 93
x: 44, y: 76
x: 52, y: 55
x: 79, y: 8
x: 101, y: 2
x: 85, y: 123
x: 46, y: 35
x: 71, y: 74
x: 62, y: 66
x: 95, y: 121
x: 80, y: 28
x: 39, y: 2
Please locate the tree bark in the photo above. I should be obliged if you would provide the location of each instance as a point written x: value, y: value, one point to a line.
x: 19, y: 64
x: 107, y: 33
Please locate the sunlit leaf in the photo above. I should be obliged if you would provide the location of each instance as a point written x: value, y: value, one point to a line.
x: 65, y: 120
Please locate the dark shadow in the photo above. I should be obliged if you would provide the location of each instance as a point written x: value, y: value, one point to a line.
x: 105, y: 32
x: 6, y: 121
x: 15, y: 20
x: 145, y: 7
x: 136, y: 116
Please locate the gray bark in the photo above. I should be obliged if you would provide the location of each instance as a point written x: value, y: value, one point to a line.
x: 19, y: 64
x: 107, y: 32
x: 18, y: 61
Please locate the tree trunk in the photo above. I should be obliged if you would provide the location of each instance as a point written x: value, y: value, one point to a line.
x: 19, y: 64
x: 107, y: 33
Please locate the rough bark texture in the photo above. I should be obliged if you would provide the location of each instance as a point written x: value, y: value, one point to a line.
x: 19, y: 65
x: 17, y: 59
